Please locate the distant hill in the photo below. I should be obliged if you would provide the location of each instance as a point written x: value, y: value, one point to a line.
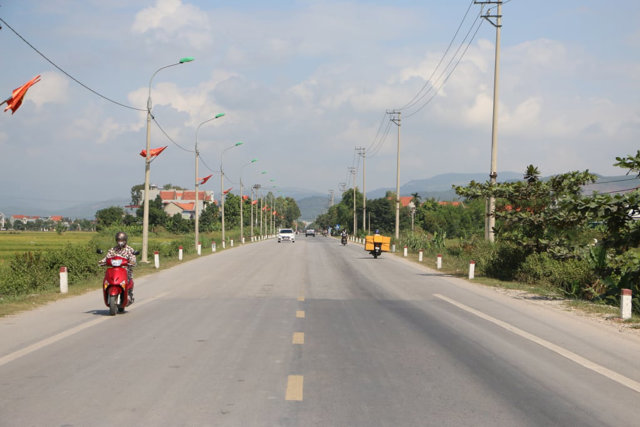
x: 311, y: 207
x: 440, y: 186
x: 313, y: 203
x: 47, y: 208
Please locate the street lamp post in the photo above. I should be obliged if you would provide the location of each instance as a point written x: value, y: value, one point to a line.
x: 222, y: 195
x: 254, y: 190
x: 147, y: 165
x: 242, y: 201
x: 217, y: 116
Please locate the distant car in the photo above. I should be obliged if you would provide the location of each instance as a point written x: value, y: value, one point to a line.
x: 310, y: 232
x: 286, y: 235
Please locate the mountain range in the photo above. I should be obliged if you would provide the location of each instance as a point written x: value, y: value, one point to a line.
x: 313, y: 203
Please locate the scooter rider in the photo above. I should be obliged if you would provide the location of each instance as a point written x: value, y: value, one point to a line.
x: 125, y: 251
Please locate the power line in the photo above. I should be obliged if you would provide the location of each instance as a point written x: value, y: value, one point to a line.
x: 448, y: 75
x: 67, y: 74
x: 618, y: 180
x: 169, y: 138
x: 414, y: 99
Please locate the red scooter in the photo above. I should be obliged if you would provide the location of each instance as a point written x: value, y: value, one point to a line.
x: 116, y: 287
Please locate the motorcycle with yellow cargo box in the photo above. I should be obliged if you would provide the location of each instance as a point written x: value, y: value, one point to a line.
x: 376, y: 244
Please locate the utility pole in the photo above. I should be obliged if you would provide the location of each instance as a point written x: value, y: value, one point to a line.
x: 354, y: 187
x: 396, y: 120
x: 362, y: 152
x: 490, y: 220
x: 331, y: 198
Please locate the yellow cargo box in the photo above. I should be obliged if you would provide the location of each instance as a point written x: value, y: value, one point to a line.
x: 377, y: 238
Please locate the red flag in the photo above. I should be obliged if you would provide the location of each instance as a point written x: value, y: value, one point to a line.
x: 154, y: 152
x: 15, y: 100
x: 274, y: 213
x: 227, y: 190
x: 245, y: 197
x: 255, y: 202
x: 205, y: 179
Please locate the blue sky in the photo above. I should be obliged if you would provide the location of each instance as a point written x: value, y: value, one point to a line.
x: 302, y: 84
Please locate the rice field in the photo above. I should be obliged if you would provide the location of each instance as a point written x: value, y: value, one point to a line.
x: 25, y: 241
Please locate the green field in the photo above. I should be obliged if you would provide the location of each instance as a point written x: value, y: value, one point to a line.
x: 12, y: 241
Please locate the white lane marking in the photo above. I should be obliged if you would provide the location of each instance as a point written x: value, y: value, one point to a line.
x: 612, y: 375
x: 65, y: 334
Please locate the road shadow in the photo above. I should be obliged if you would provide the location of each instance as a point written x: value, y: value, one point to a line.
x: 104, y: 312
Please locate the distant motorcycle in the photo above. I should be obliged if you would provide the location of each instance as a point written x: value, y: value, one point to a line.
x: 116, y: 287
x: 343, y: 240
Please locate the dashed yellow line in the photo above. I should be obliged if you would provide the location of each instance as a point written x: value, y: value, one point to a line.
x: 298, y: 338
x: 294, y: 388
x: 300, y: 314
x: 301, y: 298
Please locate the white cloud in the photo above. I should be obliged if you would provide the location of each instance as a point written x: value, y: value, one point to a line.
x: 171, y: 20
x: 53, y: 88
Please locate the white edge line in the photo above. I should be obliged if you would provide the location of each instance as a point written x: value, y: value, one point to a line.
x: 62, y: 335
x: 612, y: 375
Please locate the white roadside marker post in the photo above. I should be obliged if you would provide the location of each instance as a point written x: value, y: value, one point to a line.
x: 64, y: 280
x: 625, y: 304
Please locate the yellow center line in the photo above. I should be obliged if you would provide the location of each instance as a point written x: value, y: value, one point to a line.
x: 294, y: 388
x: 298, y: 338
x: 300, y: 314
x: 301, y: 299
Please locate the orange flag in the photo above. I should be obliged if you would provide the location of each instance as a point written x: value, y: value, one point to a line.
x: 245, y: 197
x: 227, y: 190
x: 255, y: 202
x: 15, y: 100
x: 154, y: 152
x: 205, y: 179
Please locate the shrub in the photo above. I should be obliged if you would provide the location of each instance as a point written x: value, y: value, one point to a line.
x: 502, y: 261
x: 574, y: 277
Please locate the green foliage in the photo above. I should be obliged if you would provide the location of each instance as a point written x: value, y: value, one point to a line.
x: 209, y: 218
x: 157, y: 215
x: 537, y: 215
x: 109, y: 216
x: 456, y: 221
x: 574, y: 277
x: 31, y: 272
x: 422, y: 241
x: 179, y: 225
x: 231, y: 211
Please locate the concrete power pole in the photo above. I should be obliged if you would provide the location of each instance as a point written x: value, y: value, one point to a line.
x: 490, y: 221
x: 355, y: 187
x: 331, y: 199
x: 396, y: 120
x: 362, y: 152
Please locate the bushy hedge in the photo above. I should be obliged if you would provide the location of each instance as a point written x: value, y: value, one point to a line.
x: 32, y: 272
x: 574, y: 277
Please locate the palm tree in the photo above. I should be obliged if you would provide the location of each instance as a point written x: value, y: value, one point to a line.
x: 532, y: 174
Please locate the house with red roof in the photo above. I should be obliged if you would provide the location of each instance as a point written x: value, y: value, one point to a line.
x: 181, y: 201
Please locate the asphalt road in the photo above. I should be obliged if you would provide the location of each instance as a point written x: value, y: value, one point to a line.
x: 313, y: 334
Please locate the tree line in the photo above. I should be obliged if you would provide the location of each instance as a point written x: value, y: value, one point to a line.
x: 547, y: 231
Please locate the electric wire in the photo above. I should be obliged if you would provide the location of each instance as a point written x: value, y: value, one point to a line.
x: 618, y: 180
x: 67, y: 74
x: 620, y: 191
x: 414, y: 99
x: 169, y: 138
x: 448, y: 75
